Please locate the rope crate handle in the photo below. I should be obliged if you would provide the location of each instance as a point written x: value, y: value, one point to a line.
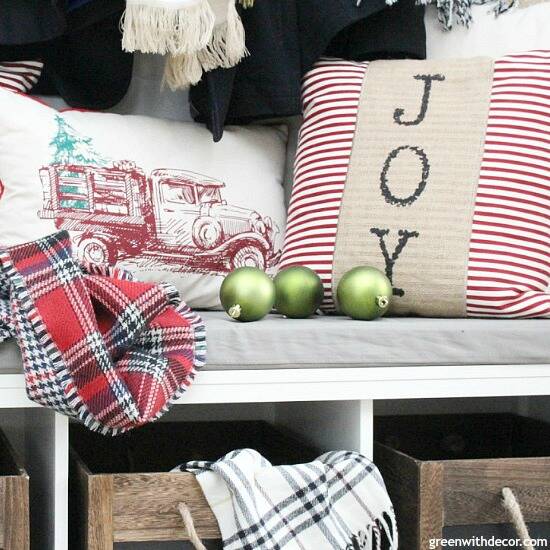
x: 512, y: 507
x: 190, y: 526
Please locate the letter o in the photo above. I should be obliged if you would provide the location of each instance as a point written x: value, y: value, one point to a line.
x: 384, y: 187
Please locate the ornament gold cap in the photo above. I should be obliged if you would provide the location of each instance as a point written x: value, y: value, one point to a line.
x: 382, y: 301
x: 235, y: 311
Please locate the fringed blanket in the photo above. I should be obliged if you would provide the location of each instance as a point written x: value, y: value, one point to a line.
x: 97, y: 346
x: 337, y: 502
x: 197, y: 35
x: 460, y: 11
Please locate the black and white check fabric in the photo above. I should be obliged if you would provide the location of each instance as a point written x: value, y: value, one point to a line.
x: 337, y: 502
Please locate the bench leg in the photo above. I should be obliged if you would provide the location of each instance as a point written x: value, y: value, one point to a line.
x: 330, y: 425
x: 46, y: 452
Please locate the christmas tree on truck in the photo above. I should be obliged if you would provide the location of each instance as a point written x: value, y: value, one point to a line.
x: 70, y: 147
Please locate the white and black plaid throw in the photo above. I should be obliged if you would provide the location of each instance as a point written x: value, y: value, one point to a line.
x: 337, y: 502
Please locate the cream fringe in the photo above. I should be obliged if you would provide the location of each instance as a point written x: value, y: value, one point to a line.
x: 225, y: 48
x: 182, y: 71
x: 151, y: 29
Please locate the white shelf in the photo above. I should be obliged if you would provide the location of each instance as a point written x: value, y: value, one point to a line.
x: 333, y: 384
x: 13, y: 393
x: 327, y: 406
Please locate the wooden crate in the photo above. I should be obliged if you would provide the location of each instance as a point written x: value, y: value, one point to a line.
x: 14, y: 500
x: 446, y: 470
x: 121, y: 489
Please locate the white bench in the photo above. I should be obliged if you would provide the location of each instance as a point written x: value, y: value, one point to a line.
x: 319, y: 377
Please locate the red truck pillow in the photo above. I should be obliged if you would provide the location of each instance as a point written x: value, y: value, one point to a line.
x: 438, y: 173
x: 157, y: 197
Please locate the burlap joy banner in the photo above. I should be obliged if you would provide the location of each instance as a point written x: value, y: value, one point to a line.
x: 409, y: 197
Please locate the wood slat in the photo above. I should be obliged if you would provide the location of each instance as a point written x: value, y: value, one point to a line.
x: 472, y: 493
x: 2, y: 515
x: 430, y: 522
x: 100, y: 512
x: 14, y: 500
x: 145, y: 507
x: 401, y: 475
x: 16, y: 513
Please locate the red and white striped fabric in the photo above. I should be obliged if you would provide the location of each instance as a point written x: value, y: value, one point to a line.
x: 20, y: 76
x: 509, y: 262
x: 330, y: 94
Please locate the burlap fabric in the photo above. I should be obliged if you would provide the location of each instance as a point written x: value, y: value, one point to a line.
x: 409, y: 197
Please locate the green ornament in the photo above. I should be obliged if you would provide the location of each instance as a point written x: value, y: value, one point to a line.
x: 364, y: 293
x: 298, y: 292
x: 247, y: 294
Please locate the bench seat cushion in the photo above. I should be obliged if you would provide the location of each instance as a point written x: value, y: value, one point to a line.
x: 277, y: 343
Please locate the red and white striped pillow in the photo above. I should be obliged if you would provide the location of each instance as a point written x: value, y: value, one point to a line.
x: 509, y: 260
x: 20, y: 76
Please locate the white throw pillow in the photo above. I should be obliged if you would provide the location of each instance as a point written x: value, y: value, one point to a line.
x: 520, y: 29
x: 155, y: 196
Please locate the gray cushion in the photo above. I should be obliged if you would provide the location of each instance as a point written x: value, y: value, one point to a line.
x: 276, y: 342
x: 340, y: 342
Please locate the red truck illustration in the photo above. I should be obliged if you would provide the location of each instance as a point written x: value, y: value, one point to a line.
x: 173, y: 216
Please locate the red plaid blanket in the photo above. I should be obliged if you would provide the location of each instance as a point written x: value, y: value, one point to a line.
x: 97, y: 346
